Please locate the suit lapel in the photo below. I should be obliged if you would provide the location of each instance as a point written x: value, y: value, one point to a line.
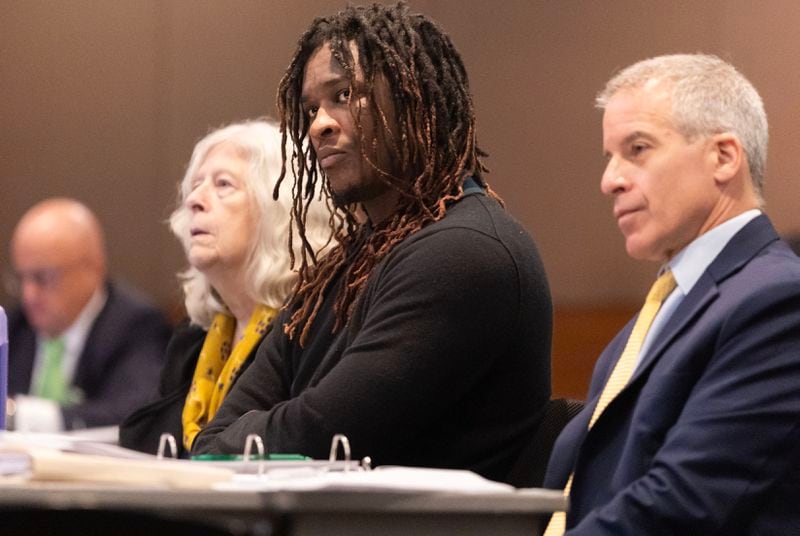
x: 100, y: 341
x: 21, y: 354
x: 702, y: 294
x: 746, y: 244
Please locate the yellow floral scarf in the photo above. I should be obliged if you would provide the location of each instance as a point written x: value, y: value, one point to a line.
x: 218, y: 366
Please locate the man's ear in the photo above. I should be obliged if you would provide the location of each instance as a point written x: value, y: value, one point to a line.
x: 728, y: 156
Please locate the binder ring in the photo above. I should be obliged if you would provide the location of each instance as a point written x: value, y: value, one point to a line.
x: 340, y: 438
x: 167, y: 439
x: 366, y: 463
x: 248, y: 443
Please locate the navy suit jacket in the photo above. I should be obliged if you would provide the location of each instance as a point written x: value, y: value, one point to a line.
x: 118, y: 368
x: 705, y: 438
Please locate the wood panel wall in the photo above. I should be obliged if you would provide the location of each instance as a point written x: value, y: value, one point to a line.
x: 104, y: 100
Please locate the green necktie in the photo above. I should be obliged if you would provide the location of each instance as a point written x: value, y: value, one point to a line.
x: 622, y: 372
x: 52, y: 384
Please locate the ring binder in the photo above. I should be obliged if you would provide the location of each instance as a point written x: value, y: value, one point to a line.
x: 345, y: 475
x: 35, y: 457
x: 335, y: 442
x: 248, y: 442
x: 271, y: 466
x: 167, y: 438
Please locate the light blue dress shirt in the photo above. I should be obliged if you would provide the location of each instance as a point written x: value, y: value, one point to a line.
x: 687, y: 267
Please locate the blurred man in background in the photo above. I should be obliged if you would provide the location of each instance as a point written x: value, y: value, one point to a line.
x: 83, y: 351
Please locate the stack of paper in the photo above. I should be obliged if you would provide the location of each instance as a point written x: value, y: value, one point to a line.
x: 387, y: 478
x: 53, y: 465
x: 14, y: 463
x: 43, y: 457
x: 68, y: 442
x: 47, y: 457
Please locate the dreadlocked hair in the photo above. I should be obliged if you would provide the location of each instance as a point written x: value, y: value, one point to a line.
x: 431, y: 141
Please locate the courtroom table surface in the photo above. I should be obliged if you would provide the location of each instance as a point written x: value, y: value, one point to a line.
x: 297, y: 513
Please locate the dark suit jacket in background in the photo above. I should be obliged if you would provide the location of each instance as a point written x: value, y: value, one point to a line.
x: 118, y: 367
x: 705, y: 439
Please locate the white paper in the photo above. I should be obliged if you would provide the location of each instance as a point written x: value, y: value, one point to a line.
x: 387, y: 478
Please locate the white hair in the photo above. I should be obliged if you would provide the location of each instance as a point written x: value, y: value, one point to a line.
x: 709, y: 96
x: 269, y: 274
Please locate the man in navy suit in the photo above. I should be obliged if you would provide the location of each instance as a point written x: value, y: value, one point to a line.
x: 110, y: 340
x: 704, y: 438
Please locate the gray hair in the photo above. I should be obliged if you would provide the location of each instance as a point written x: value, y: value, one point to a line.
x: 709, y: 96
x: 269, y: 274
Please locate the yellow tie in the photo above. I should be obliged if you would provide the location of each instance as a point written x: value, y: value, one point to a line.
x: 622, y: 372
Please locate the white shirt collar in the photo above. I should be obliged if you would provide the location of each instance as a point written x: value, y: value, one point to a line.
x: 75, y: 335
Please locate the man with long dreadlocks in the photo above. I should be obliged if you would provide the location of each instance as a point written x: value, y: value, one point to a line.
x: 424, y: 335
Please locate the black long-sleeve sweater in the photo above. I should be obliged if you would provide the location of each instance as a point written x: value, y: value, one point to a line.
x: 445, y: 361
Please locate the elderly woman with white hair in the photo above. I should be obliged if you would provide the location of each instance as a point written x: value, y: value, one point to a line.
x: 238, y: 241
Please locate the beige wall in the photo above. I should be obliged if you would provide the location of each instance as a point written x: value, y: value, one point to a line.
x: 103, y: 100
